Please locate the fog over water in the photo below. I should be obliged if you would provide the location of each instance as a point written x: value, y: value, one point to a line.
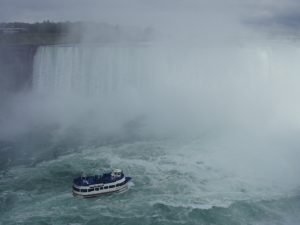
x: 205, y: 118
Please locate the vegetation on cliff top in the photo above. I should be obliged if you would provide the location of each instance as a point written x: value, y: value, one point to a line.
x: 48, y: 33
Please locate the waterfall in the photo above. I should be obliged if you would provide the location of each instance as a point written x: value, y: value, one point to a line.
x: 104, y: 70
x: 93, y: 70
x: 168, y: 89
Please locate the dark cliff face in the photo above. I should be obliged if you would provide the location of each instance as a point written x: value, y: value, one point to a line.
x: 16, y: 67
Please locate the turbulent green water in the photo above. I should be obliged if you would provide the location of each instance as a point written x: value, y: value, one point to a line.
x: 174, y: 182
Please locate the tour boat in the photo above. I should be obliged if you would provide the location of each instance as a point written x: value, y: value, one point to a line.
x: 90, y: 186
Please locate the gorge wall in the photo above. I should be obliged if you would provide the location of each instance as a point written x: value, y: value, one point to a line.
x: 16, y: 64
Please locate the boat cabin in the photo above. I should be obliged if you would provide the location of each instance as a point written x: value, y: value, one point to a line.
x: 116, y: 173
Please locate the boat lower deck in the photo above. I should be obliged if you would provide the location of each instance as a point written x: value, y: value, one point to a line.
x: 124, y: 188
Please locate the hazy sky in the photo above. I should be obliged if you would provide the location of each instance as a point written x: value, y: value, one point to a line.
x: 148, y: 12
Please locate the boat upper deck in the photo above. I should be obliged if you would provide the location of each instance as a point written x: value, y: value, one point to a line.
x: 97, y: 179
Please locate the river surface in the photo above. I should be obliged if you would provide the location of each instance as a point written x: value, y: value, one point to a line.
x: 173, y: 182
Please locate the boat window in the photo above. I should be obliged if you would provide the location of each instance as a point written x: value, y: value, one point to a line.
x: 112, y: 186
x: 76, y: 189
x: 91, y: 189
x: 105, y: 187
x: 101, y: 188
x: 96, y: 189
x: 83, y: 190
